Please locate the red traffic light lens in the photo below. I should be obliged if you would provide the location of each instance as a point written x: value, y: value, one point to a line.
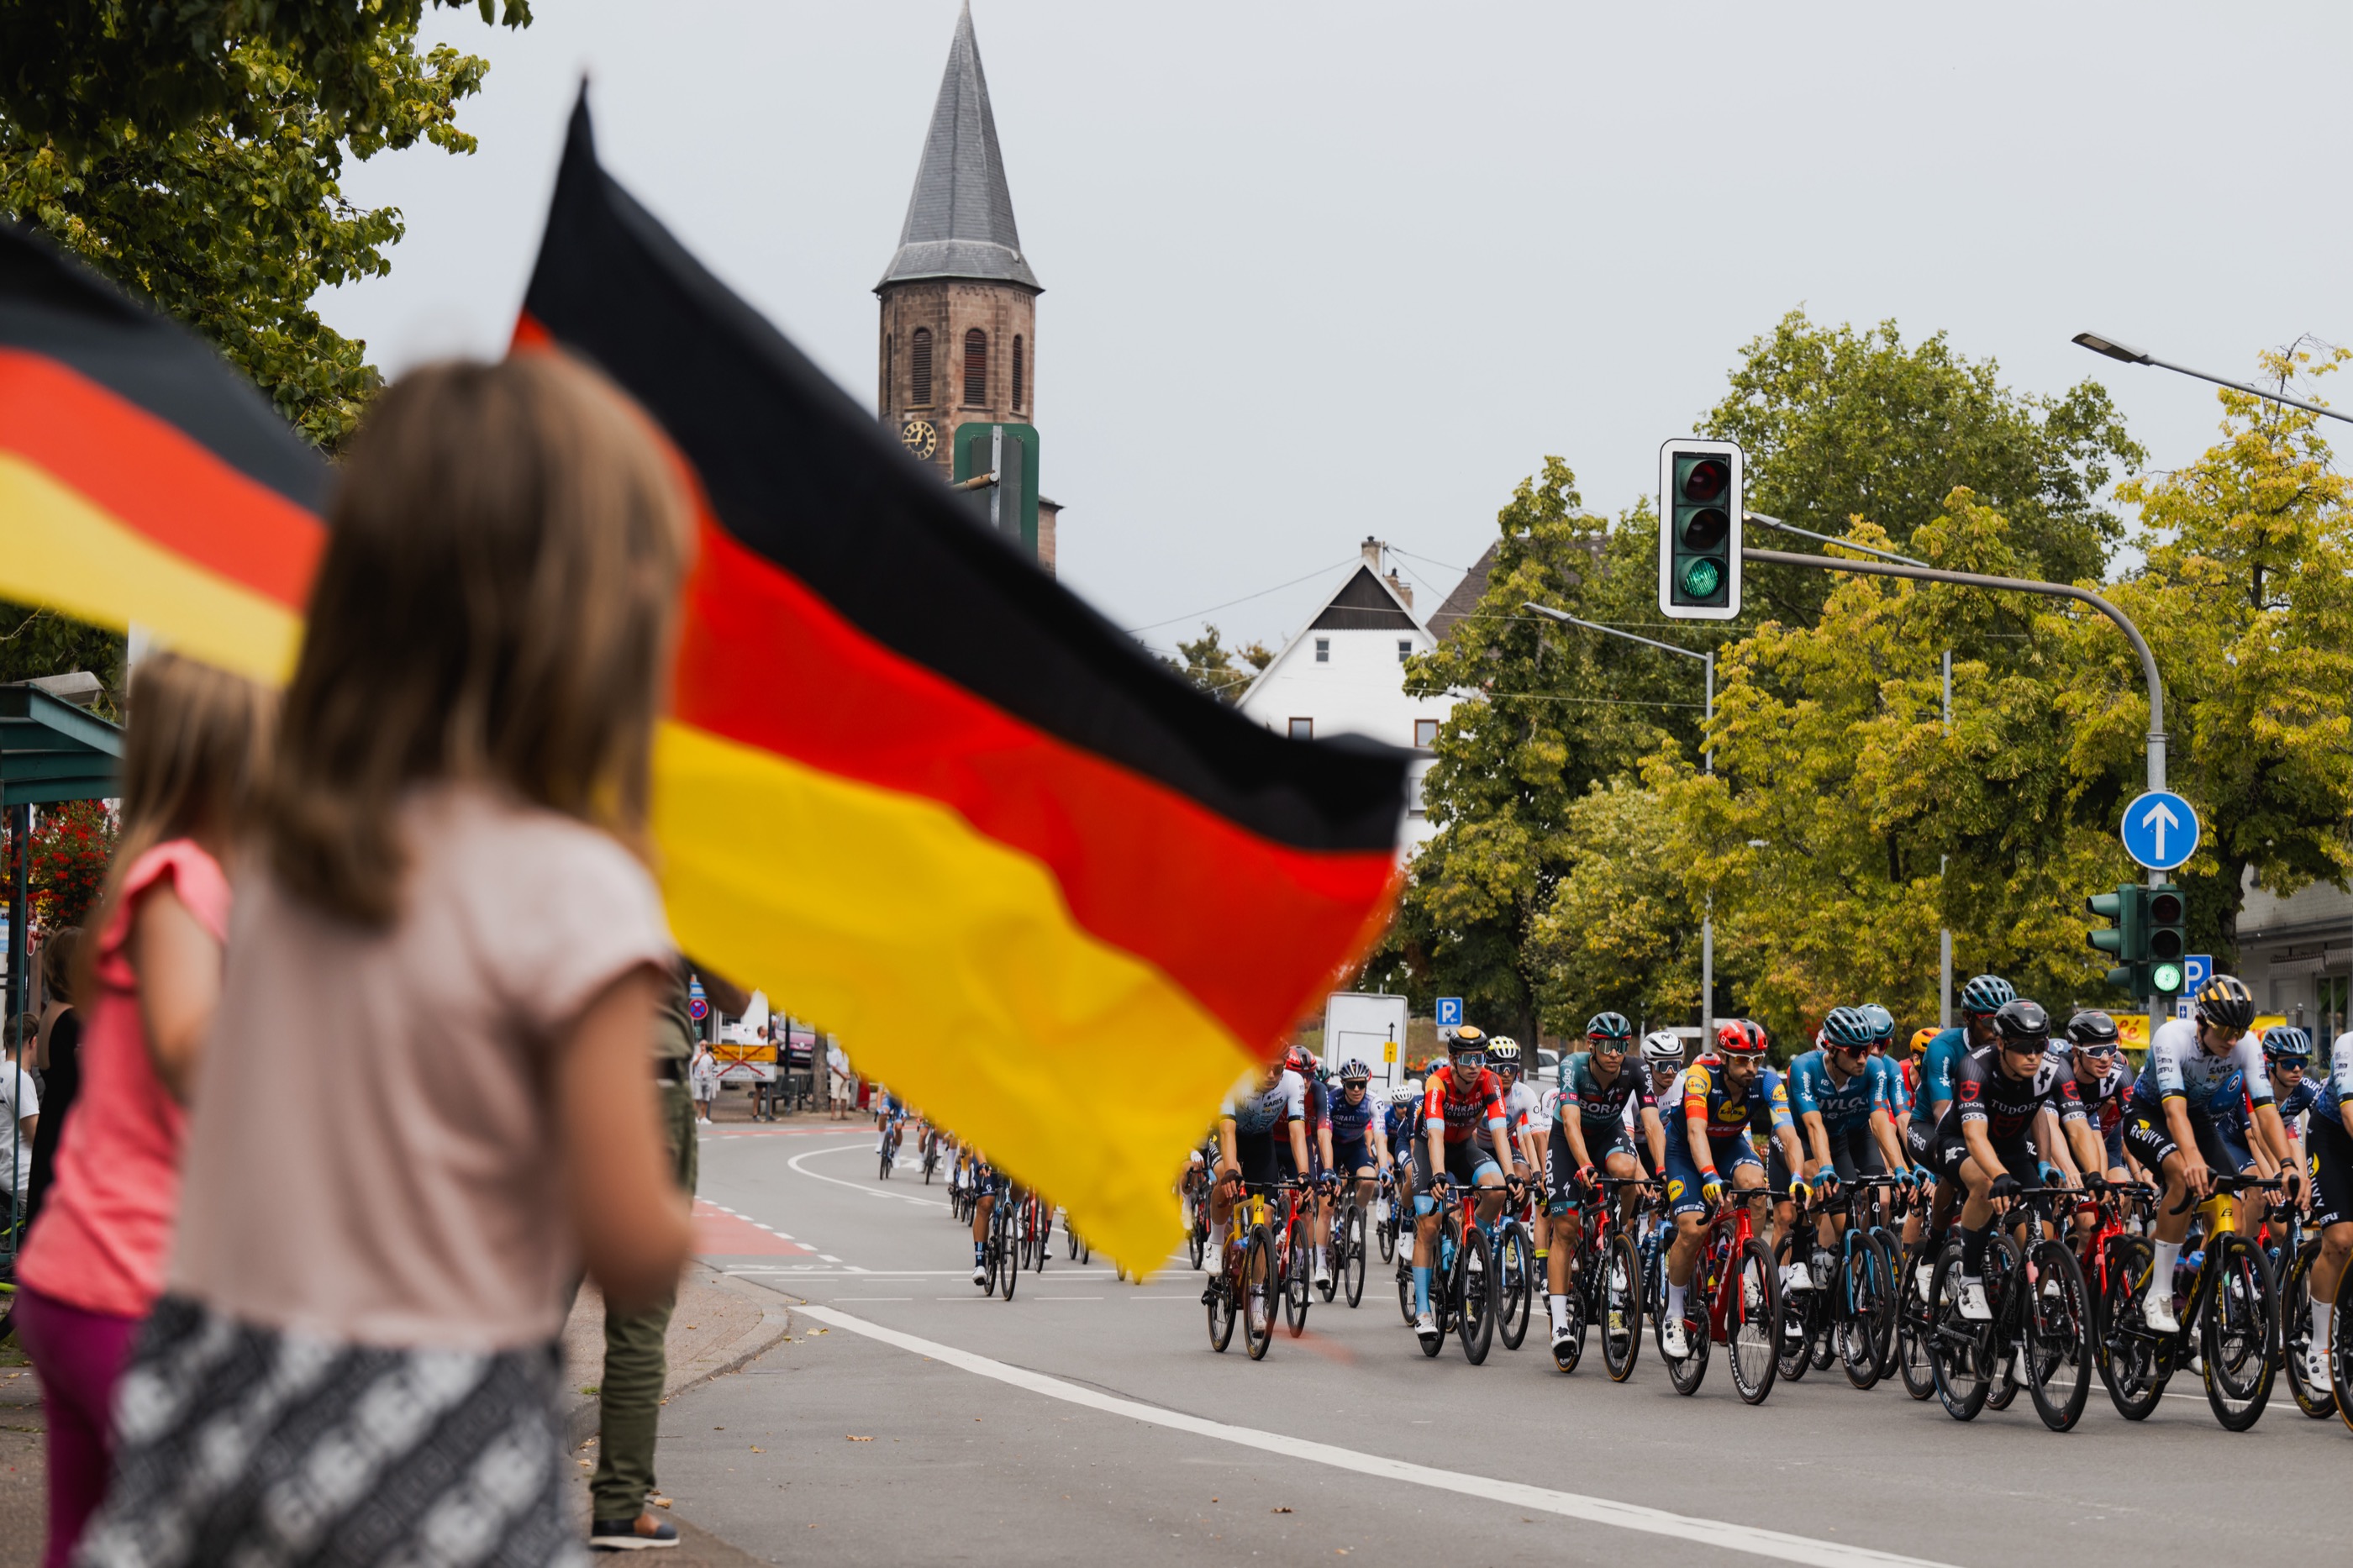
x: 1705, y: 529
x: 2165, y: 909
x: 1706, y: 480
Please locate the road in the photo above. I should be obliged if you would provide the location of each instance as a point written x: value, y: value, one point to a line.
x: 909, y: 1418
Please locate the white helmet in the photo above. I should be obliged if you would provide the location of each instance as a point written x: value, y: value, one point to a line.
x: 1662, y: 1050
x: 1410, y: 1089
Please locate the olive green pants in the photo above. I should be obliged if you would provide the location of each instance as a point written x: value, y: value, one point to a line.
x: 636, y: 1364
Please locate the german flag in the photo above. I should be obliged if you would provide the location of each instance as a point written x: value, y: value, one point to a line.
x: 921, y: 793
x: 911, y: 787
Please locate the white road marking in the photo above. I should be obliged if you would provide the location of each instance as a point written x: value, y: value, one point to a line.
x: 1730, y: 1537
x: 856, y: 1186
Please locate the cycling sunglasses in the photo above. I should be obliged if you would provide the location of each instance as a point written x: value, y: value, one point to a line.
x: 2098, y: 1052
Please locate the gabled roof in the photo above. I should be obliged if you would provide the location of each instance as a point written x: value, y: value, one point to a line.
x: 1364, y: 604
x: 1464, y: 599
x: 960, y: 219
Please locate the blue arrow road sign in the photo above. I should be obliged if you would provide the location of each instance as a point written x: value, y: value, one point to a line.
x: 1450, y: 1012
x: 2160, y: 831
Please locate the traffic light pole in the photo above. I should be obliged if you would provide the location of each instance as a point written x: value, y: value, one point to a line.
x: 1708, y: 922
x: 2155, y: 744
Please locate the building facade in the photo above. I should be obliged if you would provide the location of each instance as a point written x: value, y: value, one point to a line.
x: 958, y: 337
x: 2296, y: 952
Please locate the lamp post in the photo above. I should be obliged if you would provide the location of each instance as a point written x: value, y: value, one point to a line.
x: 2125, y: 354
x: 1707, y: 920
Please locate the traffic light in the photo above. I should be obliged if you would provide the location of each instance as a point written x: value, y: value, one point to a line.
x: 2168, y: 942
x: 1699, y: 530
x: 2128, y: 937
x: 1010, y: 505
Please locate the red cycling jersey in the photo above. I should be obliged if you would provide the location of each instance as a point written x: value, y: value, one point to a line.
x: 1462, y: 1117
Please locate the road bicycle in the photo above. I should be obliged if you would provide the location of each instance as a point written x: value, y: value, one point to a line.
x: 2041, y: 1331
x: 1081, y: 1250
x: 1001, y: 1254
x: 931, y: 1153
x: 1246, y: 1283
x: 890, y: 1149
x: 1735, y: 1297
x: 1394, y: 1199
x: 1194, y: 1190
x: 1605, y: 1280
x: 2292, y: 1257
x: 1036, y: 1231
x: 1462, y: 1275
x: 1294, y: 1251
x: 1348, y: 1230
x: 1849, y: 1314
x: 2232, y: 1304
x: 1516, y: 1270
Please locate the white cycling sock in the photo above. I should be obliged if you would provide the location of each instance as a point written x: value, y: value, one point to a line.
x: 1675, y: 1301
x: 2321, y: 1314
x: 2168, y: 1253
x: 1559, y: 1313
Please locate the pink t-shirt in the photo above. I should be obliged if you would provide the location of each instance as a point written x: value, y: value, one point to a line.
x: 373, y: 1154
x: 105, y: 1230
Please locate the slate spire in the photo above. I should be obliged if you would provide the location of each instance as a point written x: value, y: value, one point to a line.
x: 960, y: 219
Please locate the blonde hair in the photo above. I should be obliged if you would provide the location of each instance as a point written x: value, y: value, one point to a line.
x: 496, y: 605
x: 196, y: 746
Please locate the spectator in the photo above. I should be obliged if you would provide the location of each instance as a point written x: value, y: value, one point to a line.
x: 59, y: 1057
x: 95, y: 1264
x: 705, y: 1076
x: 427, y: 1092
x: 845, y: 1087
x: 20, y: 1110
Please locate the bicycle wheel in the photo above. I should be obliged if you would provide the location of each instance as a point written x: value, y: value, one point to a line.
x: 2056, y: 1318
x: 2340, y: 1348
x: 1515, y: 1281
x: 1753, y: 1325
x: 1352, y: 1261
x: 1260, y: 1289
x: 2005, y: 1267
x: 1621, y: 1309
x: 1387, y: 1228
x: 886, y: 1166
x: 1042, y: 1235
x: 1474, y: 1271
x: 1915, y: 1328
x: 1864, y: 1307
x: 1405, y: 1292
x: 1960, y: 1351
x: 2134, y: 1363
x: 1568, y: 1349
x: 1890, y: 1254
x: 1686, y: 1372
x: 1223, y: 1289
x: 1009, y: 1253
x: 2238, y: 1331
x: 1296, y: 1284
x: 1197, y: 1226
x: 2296, y: 1336
x: 1793, y: 1345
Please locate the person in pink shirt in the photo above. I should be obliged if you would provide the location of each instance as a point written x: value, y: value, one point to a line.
x: 94, y: 1262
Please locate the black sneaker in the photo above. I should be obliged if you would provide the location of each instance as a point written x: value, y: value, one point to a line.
x: 631, y: 1534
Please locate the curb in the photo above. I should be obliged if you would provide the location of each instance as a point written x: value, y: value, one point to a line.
x: 776, y: 1321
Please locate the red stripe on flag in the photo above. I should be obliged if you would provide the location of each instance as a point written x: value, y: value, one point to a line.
x: 765, y: 661
x: 151, y: 476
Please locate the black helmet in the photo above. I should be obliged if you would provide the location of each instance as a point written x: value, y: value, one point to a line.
x: 1467, y: 1037
x: 2022, y: 1022
x: 2092, y: 1028
x: 2226, y: 1001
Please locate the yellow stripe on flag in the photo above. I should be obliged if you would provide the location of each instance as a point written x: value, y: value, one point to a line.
x: 59, y: 549
x: 951, y: 961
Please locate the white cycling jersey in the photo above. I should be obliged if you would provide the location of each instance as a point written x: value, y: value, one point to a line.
x: 2178, y: 1065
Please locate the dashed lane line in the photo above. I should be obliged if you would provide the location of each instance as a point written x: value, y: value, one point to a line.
x: 1773, y: 1543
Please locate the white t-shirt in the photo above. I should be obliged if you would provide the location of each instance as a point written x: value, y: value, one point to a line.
x: 19, y: 1097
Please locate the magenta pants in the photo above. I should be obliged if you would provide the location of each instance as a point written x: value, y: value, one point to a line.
x: 79, y: 1356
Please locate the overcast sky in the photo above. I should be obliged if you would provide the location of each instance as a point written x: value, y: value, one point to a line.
x: 1316, y: 271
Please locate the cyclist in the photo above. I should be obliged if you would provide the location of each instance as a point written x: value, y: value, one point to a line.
x: 1360, y: 1149
x: 2287, y: 1056
x: 1932, y: 1097
x: 1984, y: 1144
x: 1300, y: 1060
x: 2195, y: 1067
x: 1712, y: 1109
x: 2102, y: 1081
x: 1883, y: 1049
x: 1587, y: 1134
x: 1838, y: 1095
x: 2329, y: 1150
x: 1461, y: 1098
x: 2287, y: 1050
x: 991, y: 1185
x: 1663, y: 1059
x: 1261, y: 1140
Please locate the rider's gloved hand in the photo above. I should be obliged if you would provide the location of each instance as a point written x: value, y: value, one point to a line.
x: 1586, y: 1176
x: 1711, y: 1186
x: 1800, y: 1192
x: 2048, y: 1173
x: 2095, y: 1181
x: 1826, y: 1180
x: 2294, y: 1184
x: 2004, y: 1186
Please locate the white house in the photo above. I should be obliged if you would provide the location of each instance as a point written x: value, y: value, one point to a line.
x: 1342, y: 673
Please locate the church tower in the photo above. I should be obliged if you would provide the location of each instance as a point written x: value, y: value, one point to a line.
x: 959, y: 333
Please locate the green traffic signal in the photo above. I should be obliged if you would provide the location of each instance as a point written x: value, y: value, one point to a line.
x: 1699, y: 527
x: 2164, y: 979
x: 1702, y: 579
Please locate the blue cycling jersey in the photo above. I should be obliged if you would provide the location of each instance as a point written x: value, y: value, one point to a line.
x: 2338, y: 1088
x: 2298, y: 1101
x: 1705, y: 1091
x: 1844, y: 1106
x: 1937, y: 1064
x: 1350, y: 1124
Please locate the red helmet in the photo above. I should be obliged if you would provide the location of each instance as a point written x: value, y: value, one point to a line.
x: 1297, y: 1060
x: 1740, y: 1038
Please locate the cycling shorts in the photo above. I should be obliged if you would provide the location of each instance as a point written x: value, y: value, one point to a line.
x: 1920, y: 1141
x: 1853, y: 1152
x: 1683, y: 1176
x: 1355, y: 1158
x: 1560, y: 1166
x: 2114, y: 1138
x: 1465, y: 1161
x: 2328, y: 1154
x: 2016, y: 1154
x: 2147, y: 1136
x: 1265, y: 1159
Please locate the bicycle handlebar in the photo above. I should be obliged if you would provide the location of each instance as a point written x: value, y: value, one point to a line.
x: 2220, y: 1185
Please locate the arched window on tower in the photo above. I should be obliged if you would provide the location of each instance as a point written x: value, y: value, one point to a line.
x: 975, y: 367
x: 920, y: 352
x: 1017, y: 368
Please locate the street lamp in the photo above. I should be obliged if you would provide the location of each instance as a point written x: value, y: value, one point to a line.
x: 2125, y: 354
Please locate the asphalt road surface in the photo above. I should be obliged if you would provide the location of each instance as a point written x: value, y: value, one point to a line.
x: 911, y: 1419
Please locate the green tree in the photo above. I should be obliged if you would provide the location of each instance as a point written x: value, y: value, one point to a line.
x: 1623, y: 931
x: 35, y: 641
x: 1224, y: 673
x: 1836, y: 424
x: 193, y: 151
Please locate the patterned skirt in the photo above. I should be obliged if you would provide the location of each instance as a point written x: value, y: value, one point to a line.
x: 255, y: 1447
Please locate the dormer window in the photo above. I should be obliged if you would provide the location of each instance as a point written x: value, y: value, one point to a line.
x: 1323, y: 650
x: 1404, y: 649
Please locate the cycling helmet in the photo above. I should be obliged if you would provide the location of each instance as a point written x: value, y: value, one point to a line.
x: 2022, y: 1022
x: 1467, y: 1037
x: 1410, y: 1089
x: 1660, y: 1050
x: 1296, y: 1059
x: 1354, y: 1072
x: 1846, y: 1029
x: 1504, y: 1052
x: 1740, y: 1038
x: 1922, y: 1035
x: 2092, y: 1028
x: 1987, y: 994
x: 1881, y: 1022
x: 1609, y: 1026
x: 2226, y: 1001
x: 2287, y: 1045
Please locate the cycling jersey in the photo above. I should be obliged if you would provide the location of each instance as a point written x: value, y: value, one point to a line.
x: 2298, y: 1101
x: 2178, y: 1067
x: 1934, y: 1079
x: 1463, y: 1118
x: 2338, y: 1088
x: 1351, y: 1123
x: 1264, y: 1112
x: 1705, y: 1091
x: 1522, y: 1106
x: 1599, y: 1106
x: 1405, y: 1120
x: 2007, y: 1106
x: 1844, y: 1106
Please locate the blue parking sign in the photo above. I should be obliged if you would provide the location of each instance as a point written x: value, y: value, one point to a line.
x: 1450, y: 1012
x: 2197, y: 969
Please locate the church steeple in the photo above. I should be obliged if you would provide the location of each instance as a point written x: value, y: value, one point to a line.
x: 960, y: 217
